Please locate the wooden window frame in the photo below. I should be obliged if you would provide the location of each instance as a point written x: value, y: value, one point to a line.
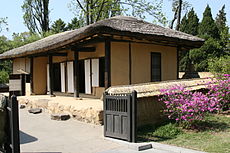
x: 152, y: 54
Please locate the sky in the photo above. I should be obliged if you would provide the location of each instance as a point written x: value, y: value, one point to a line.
x: 60, y: 9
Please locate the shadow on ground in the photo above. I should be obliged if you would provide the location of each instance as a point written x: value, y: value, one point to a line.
x: 26, y: 138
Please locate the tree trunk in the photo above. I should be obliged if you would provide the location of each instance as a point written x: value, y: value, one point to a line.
x: 179, y: 15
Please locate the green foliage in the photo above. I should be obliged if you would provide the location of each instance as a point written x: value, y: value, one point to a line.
x: 190, y: 23
x: 3, y: 22
x: 75, y: 24
x: 4, y: 44
x: 58, y: 26
x: 216, y: 35
x: 221, y: 19
x: 207, y: 27
x: 200, y: 56
x: 159, y: 132
x: 36, y: 15
x: 4, y: 77
x: 20, y: 39
x: 223, y: 29
x: 168, y: 131
x: 94, y: 10
x: 219, y: 65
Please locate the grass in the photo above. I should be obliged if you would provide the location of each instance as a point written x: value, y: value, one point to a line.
x: 210, y: 135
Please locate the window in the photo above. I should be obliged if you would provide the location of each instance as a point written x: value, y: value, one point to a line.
x: 155, y: 66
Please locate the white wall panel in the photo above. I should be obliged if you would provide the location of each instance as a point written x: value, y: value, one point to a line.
x: 95, y: 72
x: 62, y: 66
x: 70, y: 78
x: 87, y: 77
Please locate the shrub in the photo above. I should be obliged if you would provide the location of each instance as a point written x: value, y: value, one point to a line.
x: 219, y: 65
x: 4, y: 77
x: 185, y: 106
x: 219, y: 91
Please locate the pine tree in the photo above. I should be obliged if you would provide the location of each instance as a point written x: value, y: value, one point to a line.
x: 221, y: 19
x: 75, y: 23
x: 184, y: 23
x: 223, y: 29
x: 193, y: 23
x: 58, y: 26
x: 207, y: 27
x: 190, y: 23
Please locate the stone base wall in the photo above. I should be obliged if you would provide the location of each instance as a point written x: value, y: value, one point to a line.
x: 149, y: 111
x: 87, y: 114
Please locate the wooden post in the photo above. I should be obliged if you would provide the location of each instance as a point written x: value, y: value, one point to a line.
x: 76, y: 73
x: 51, y: 74
x: 31, y: 75
x: 134, y: 116
x: 130, y: 63
x: 14, y: 122
x: 107, y: 63
x: 178, y: 60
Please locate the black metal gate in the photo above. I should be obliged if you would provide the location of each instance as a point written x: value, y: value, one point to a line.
x: 120, y: 116
x: 13, y: 143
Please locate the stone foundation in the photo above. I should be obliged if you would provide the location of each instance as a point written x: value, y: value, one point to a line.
x: 78, y: 109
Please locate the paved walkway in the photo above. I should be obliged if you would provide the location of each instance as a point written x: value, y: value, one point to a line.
x: 38, y: 133
x: 41, y: 134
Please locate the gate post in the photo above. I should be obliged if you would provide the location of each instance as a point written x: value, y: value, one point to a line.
x: 134, y: 116
x: 104, y: 109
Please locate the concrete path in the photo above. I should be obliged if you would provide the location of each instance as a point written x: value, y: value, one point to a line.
x: 38, y: 133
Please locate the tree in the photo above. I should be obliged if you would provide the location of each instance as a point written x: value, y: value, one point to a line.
x: 221, y: 19
x: 36, y: 15
x: 207, y: 26
x: 95, y: 10
x: 223, y: 28
x: 20, y: 39
x: 58, y: 26
x: 75, y: 23
x: 3, y: 22
x: 177, y: 7
x: 200, y: 56
x: 189, y: 24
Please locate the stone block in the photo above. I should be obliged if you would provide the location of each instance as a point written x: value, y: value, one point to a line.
x: 35, y: 110
x: 60, y: 117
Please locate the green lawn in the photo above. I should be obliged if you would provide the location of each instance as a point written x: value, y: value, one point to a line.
x: 211, y: 135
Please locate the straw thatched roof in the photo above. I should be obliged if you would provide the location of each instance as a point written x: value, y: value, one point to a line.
x: 120, y: 25
x: 153, y: 88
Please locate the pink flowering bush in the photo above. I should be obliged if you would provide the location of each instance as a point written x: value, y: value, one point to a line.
x: 185, y: 106
x: 219, y: 90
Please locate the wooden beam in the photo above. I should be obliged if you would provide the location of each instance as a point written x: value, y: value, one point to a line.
x: 178, y: 60
x: 130, y: 63
x: 107, y: 63
x: 76, y: 74
x: 59, y: 54
x: 83, y: 49
x: 31, y: 75
x: 50, y: 58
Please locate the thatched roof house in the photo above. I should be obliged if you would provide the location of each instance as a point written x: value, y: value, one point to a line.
x: 116, y: 51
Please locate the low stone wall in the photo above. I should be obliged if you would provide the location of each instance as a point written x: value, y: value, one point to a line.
x: 149, y: 111
x: 76, y: 109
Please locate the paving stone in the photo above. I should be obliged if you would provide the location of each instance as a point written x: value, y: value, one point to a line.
x: 35, y: 110
x: 60, y: 117
x: 22, y: 106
